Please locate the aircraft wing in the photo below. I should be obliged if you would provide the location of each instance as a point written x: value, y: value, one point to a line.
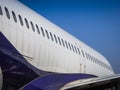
x: 111, y: 82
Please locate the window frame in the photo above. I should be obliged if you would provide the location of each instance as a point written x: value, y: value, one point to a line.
x: 51, y: 36
x: 59, y: 40
x: 7, y: 13
x: 47, y: 33
x: 55, y: 38
x: 72, y: 48
x: 83, y: 53
x: 79, y: 51
x: 32, y: 26
x: 38, y: 30
x: 69, y: 46
x: 1, y: 12
x: 20, y: 19
x: 42, y: 30
x: 26, y: 22
x: 75, y: 49
x: 14, y: 16
x: 63, y: 42
x: 66, y: 44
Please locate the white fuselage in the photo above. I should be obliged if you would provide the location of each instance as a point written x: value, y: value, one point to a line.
x: 66, y: 55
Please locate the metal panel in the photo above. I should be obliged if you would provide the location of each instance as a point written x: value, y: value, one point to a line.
x: 25, y: 43
x: 19, y: 40
x: 31, y: 45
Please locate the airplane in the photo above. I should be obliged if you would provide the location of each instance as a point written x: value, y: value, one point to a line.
x: 36, y: 54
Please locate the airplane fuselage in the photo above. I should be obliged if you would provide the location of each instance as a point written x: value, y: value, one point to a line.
x: 31, y: 47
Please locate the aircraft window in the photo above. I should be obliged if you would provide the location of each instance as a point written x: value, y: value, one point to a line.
x: 69, y: 45
x: 55, y: 38
x: 32, y: 26
x: 7, y: 13
x: 75, y: 49
x: 21, y: 21
x: 59, y: 40
x: 82, y: 53
x: 51, y: 36
x: 66, y: 44
x: 1, y: 13
x: 63, y: 43
x: 90, y: 57
x: 26, y: 21
x: 95, y: 60
x: 47, y: 34
x: 99, y: 62
x: 38, y: 30
x: 42, y: 32
x: 86, y: 55
x: 14, y: 16
x: 78, y: 51
x: 72, y: 47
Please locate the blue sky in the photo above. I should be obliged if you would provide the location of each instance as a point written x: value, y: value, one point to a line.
x: 95, y: 22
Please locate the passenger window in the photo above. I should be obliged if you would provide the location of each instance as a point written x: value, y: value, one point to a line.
x: 86, y: 55
x: 47, y: 34
x: 78, y: 51
x: 14, y: 16
x: 7, y: 13
x: 82, y: 53
x: 32, y: 26
x: 51, y: 36
x: 94, y: 59
x: 75, y: 49
x: 26, y: 21
x: 38, y: 30
x: 63, y: 42
x: 66, y: 44
x: 90, y: 57
x: 72, y: 47
x: 55, y: 38
x: 69, y: 45
x: 59, y: 40
x: 42, y: 32
x: 1, y: 13
x: 21, y: 21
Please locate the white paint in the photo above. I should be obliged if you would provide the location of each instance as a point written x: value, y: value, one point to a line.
x: 47, y: 55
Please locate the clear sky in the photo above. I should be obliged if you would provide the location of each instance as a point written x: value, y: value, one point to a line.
x: 95, y: 22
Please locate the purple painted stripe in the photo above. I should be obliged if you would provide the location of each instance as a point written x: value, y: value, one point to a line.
x: 54, y: 81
